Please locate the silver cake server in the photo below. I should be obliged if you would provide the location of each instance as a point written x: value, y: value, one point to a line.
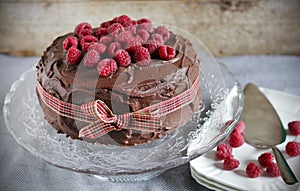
x: 264, y: 128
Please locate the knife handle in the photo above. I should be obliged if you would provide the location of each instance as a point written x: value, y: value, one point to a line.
x: 285, y: 171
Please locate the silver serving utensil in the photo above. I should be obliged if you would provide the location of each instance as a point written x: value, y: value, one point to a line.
x: 264, y: 128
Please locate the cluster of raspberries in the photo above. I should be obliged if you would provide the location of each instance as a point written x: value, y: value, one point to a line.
x: 224, y: 151
x: 292, y: 148
x: 265, y: 160
x: 117, y: 43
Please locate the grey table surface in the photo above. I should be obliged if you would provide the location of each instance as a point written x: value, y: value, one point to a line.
x: 19, y: 170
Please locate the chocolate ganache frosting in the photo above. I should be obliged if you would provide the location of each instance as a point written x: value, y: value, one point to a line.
x: 129, y: 89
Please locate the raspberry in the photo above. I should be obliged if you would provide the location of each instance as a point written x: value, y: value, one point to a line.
x: 130, y: 26
x: 82, y: 26
x: 83, y: 29
x: 230, y: 163
x: 115, y: 20
x: 294, y: 127
x: 143, y: 20
x: 253, y: 170
x: 122, y: 19
x: 86, y: 41
x: 101, y: 32
x: 69, y: 42
x: 292, y: 148
x: 152, y: 47
x: 236, y: 139
x: 240, y: 127
x: 134, y: 44
x: 272, y: 170
x: 143, y: 34
x: 223, y: 151
x: 141, y: 56
x: 112, y: 49
x: 265, y: 159
x: 91, y: 58
x: 105, y: 24
x: 99, y: 47
x: 85, y: 32
x: 129, y: 23
x: 122, y: 58
x: 124, y: 36
x: 107, y: 67
x: 164, y: 32
x: 106, y: 40
x: 145, y: 24
x: 157, y: 38
x: 73, y: 55
x: 115, y: 28
x: 166, y: 52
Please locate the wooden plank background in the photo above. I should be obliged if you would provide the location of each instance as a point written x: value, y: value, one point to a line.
x: 227, y: 27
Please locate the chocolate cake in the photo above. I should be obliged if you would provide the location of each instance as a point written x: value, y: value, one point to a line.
x: 129, y: 65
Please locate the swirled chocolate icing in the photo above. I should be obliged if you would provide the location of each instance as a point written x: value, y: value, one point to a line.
x: 129, y: 89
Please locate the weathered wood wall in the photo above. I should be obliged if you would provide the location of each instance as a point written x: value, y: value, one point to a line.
x: 227, y: 27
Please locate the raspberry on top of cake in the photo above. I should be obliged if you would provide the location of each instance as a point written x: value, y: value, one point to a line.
x: 129, y: 65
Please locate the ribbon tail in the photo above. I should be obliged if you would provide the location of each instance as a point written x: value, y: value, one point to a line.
x: 96, y: 129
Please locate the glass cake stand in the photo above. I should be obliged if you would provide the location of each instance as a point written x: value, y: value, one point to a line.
x: 222, y: 102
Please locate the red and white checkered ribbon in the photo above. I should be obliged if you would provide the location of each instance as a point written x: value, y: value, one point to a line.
x: 101, y: 119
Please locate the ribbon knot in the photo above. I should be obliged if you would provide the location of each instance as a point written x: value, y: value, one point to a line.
x: 98, y: 109
x: 104, y: 121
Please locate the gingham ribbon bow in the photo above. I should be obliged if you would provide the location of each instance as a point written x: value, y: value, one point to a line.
x: 101, y: 120
x: 105, y: 121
